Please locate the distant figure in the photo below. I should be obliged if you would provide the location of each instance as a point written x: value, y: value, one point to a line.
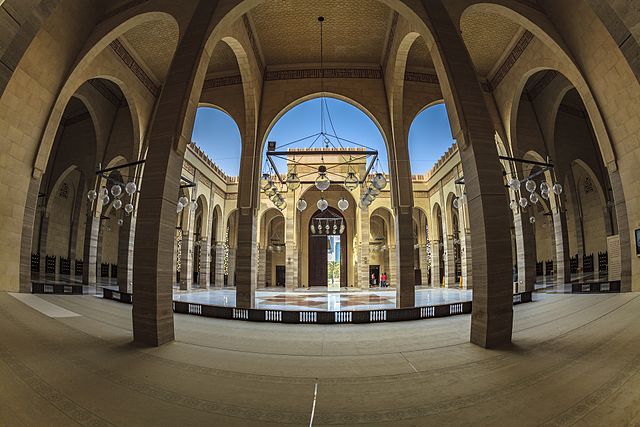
x: 383, y: 280
x: 373, y: 280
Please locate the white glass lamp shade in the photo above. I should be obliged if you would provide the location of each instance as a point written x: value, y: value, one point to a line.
x: 293, y: 182
x: 179, y: 207
x: 312, y: 228
x: 514, y: 184
x: 557, y: 189
x: 92, y: 195
x: 322, y: 182
x: 193, y: 206
x: 117, y: 204
x: 322, y: 204
x: 128, y: 208
x: 533, y: 198
x: 130, y: 188
x: 301, y: 205
x: 530, y: 185
x: 116, y: 190
x: 327, y: 228
x: 523, y: 202
x: 532, y: 220
x: 513, y: 205
x: 343, y: 204
x: 379, y: 181
x: 271, y: 191
x: 104, y: 192
x: 265, y: 181
x: 456, y: 203
x: 351, y: 181
x: 283, y: 205
x: 106, y: 200
x: 341, y: 228
x: 545, y: 194
x: 335, y: 228
x: 184, y: 201
x: 544, y: 186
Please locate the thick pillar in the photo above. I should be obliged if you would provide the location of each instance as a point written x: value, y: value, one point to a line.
x: 42, y: 242
x: 491, y: 320
x: 435, y: 264
x: 362, y: 274
x: 169, y: 133
x: 231, y: 267
x: 449, y: 263
x: 577, y: 220
x: 75, y: 220
x: 525, y: 251
x: 424, y: 264
x: 90, y: 261
x: 627, y: 243
x: 405, y: 274
x: 562, y: 263
x: 126, y: 240
x: 262, y: 268
x: 219, y: 265
x: 204, y: 279
x: 186, y: 253
x: 268, y: 268
x: 26, y: 245
x: 246, y: 254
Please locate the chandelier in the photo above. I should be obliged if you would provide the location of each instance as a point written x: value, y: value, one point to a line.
x: 120, y: 195
x: 332, y: 224
x: 528, y: 184
x: 340, y: 169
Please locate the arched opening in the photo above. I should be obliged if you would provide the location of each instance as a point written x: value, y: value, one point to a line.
x: 327, y: 253
x: 217, y: 134
x: 429, y: 138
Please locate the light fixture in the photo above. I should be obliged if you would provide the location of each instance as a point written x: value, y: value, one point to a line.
x: 117, y: 204
x: 184, y: 201
x: 322, y: 204
x: 343, y: 204
x: 456, y: 203
x: 92, y: 195
x: 322, y: 182
x: 130, y: 188
x: 342, y: 167
x: 557, y: 189
x: 530, y: 185
x: 293, y: 181
x: 533, y: 198
x: 351, y: 181
x: 514, y: 184
x: 301, y: 205
x: 313, y: 228
x: 116, y: 190
x: 128, y: 208
x: 523, y: 202
x: 532, y: 219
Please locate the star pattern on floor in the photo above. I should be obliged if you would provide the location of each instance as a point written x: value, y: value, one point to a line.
x: 319, y: 300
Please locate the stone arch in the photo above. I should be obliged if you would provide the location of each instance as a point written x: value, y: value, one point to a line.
x: 217, y: 232
x: 266, y: 218
x: 387, y: 216
x: 203, y: 210
x: 79, y: 76
x: 450, y: 211
x: 378, y: 121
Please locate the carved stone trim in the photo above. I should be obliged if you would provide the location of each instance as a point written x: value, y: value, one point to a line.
x: 104, y: 91
x: 392, y: 35
x: 126, y: 57
x: 329, y: 73
x: 222, y: 81
x: 537, y: 89
x: 252, y: 40
x: 510, y: 60
x: 410, y: 76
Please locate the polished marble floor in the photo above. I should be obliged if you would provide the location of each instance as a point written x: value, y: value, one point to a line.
x: 319, y: 299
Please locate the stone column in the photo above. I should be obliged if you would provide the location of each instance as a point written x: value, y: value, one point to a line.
x: 90, y: 261
x: 262, y: 268
x: 170, y: 129
x: 577, y: 222
x: 627, y: 241
x: 268, y: 268
x: 231, y: 270
x: 449, y: 263
x: 246, y: 254
x: 204, y: 280
x: 186, y: 251
x: 435, y: 264
x: 424, y: 264
x: 491, y: 320
x: 525, y: 251
x: 126, y: 240
x: 362, y: 274
x: 405, y: 274
x: 392, y: 258
x: 562, y: 264
x: 219, y: 263
x: 26, y: 242
x: 81, y: 193
x: 42, y: 244
x: 466, y: 259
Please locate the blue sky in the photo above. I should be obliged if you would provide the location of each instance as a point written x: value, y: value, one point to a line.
x: 429, y: 137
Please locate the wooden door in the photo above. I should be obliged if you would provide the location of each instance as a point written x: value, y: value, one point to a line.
x: 317, y: 260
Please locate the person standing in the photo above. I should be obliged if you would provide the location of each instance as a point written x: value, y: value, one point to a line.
x: 383, y: 280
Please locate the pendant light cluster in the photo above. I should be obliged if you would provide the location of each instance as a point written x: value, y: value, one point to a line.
x: 327, y: 226
x: 183, y: 202
x: 530, y: 186
x: 105, y: 195
x: 273, y: 192
x: 378, y: 183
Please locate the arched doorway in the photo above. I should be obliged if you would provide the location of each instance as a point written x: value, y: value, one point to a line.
x: 327, y: 253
